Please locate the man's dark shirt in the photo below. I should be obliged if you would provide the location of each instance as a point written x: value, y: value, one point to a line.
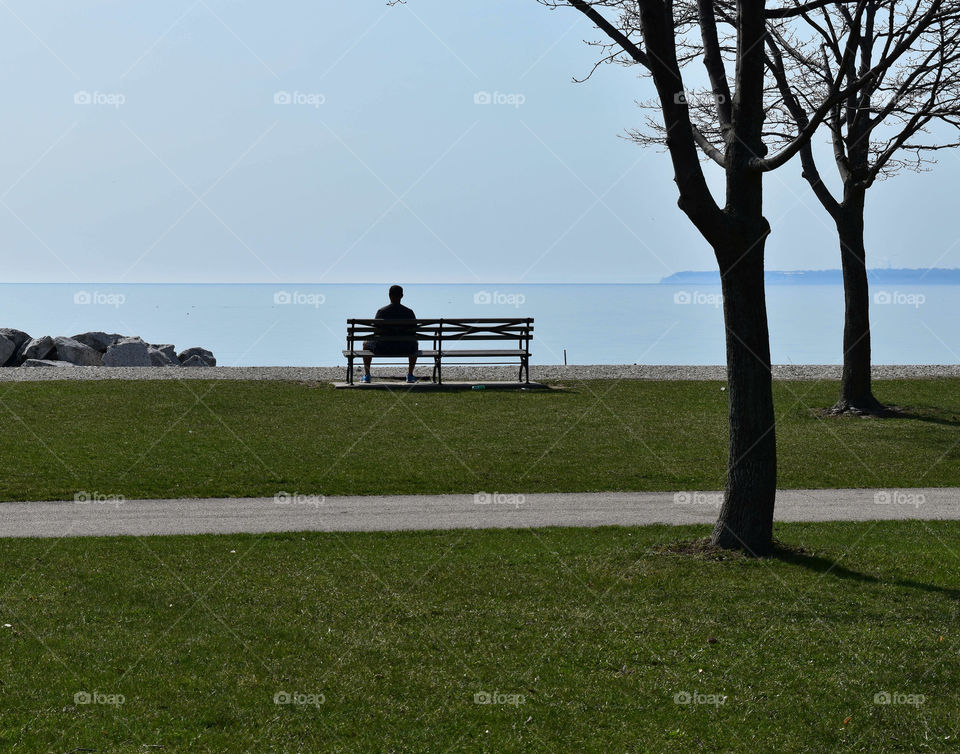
x: 396, y: 311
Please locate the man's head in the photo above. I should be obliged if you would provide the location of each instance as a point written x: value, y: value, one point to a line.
x: 396, y: 293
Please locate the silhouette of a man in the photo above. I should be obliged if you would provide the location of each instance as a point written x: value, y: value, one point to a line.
x: 395, y: 310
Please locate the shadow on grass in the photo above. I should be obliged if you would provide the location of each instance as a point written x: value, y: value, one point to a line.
x: 824, y: 566
x: 931, y: 419
x: 797, y: 556
x: 910, y: 413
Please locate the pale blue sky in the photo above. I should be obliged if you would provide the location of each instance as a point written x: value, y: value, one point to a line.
x: 182, y: 167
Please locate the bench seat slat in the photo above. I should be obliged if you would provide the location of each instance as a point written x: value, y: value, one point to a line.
x: 364, y: 352
x: 481, y: 352
x: 370, y: 334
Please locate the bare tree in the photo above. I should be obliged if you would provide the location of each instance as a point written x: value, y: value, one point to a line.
x: 663, y: 37
x: 876, y: 132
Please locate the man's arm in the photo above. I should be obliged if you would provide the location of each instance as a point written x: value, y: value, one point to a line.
x: 378, y: 329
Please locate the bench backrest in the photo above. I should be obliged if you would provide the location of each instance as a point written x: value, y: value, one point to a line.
x: 439, y: 330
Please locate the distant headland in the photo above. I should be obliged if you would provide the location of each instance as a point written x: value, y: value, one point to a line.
x: 884, y: 276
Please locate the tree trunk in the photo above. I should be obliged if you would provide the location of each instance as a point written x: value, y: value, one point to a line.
x: 737, y: 234
x: 746, y: 518
x: 855, y: 388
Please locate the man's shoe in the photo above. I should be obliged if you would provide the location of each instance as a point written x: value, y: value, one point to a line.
x: 411, y: 379
x: 366, y: 379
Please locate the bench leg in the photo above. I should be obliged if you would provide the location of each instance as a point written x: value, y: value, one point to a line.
x: 349, y: 370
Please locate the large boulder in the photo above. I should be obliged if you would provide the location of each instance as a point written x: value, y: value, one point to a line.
x: 19, y: 338
x: 8, y: 349
x: 46, y: 363
x: 98, y: 341
x: 203, y: 354
x: 163, y: 356
x: 127, y: 353
x: 169, y: 349
x: 36, y: 348
x: 75, y: 352
x: 17, y: 359
x: 194, y: 361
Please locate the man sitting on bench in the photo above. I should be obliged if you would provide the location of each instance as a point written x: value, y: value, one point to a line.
x: 395, y: 310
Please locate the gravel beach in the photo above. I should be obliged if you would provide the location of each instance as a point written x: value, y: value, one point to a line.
x: 466, y: 373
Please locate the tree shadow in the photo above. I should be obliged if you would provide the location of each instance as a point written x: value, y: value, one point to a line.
x: 912, y: 413
x: 823, y: 566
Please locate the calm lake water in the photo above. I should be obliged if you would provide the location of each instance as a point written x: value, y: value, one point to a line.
x: 304, y: 325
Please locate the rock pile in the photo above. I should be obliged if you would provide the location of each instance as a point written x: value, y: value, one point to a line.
x: 94, y: 349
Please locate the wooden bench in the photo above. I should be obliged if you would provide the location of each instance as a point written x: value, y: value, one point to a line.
x: 440, y: 333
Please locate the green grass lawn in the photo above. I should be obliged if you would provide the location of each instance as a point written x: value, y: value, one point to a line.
x: 583, y: 640
x: 193, y: 438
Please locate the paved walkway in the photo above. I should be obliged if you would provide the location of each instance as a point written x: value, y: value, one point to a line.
x: 493, y: 510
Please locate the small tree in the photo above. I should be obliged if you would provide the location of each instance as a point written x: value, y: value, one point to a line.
x: 876, y: 132
x: 663, y: 37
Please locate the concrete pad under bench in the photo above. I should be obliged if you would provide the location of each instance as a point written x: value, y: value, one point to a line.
x: 427, y: 386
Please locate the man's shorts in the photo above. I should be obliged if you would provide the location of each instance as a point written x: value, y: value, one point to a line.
x: 392, y: 348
